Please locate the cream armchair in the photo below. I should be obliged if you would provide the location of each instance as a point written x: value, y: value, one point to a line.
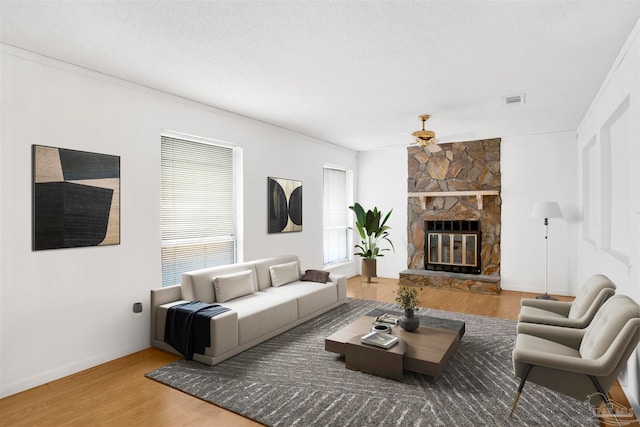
x: 579, y: 362
x: 575, y: 314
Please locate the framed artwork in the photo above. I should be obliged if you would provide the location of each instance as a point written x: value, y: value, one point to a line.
x: 76, y: 198
x: 285, y: 205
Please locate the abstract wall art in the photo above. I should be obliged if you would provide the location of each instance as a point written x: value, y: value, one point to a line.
x: 285, y: 205
x: 76, y: 198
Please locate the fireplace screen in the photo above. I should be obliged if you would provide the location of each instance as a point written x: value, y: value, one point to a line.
x: 453, y: 246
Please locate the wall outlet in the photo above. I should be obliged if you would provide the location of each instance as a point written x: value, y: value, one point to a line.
x: 137, y: 309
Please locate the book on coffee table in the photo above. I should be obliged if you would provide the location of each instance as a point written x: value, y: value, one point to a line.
x: 379, y: 339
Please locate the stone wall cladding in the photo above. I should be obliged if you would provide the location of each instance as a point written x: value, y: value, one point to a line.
x: 460, y: 166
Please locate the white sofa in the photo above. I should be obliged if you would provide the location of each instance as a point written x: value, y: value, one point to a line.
x: 258, y: 309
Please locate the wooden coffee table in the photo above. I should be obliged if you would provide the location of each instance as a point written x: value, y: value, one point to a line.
x: 426, y: 350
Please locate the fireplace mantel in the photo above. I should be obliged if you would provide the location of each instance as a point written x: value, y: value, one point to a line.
x: 479, y: 194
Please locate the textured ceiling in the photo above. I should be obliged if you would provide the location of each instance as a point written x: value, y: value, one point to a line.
x: 354, y: 73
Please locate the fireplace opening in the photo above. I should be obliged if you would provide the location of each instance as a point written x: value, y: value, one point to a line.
x: 453, y: 246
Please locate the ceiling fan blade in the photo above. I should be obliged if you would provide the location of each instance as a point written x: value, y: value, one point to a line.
x: 434, y: 148
x: 427, y: 138
x: 415, y: 141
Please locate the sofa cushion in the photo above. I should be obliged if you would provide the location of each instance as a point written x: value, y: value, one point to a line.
x: 198, y: 285
x: 535, y: 314
x: 604, y: 328
x: 311, y: 296
x: 233, y: 285
x: 281, y: 274
x: 263, y: 274
x: 261, y: 313
x: 315, y: 276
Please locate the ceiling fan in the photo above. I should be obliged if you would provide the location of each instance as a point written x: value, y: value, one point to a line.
x: 425, y: 137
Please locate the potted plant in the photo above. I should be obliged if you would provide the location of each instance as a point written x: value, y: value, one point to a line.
x: 407, y: 299
x: 373, y: 230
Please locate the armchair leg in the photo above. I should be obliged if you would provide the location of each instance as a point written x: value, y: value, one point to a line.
x: 527, y: 369
x: 605, y: 397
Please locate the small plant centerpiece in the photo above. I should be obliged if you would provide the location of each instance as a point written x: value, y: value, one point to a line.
x: 407, y: 299
x: 373, y: 230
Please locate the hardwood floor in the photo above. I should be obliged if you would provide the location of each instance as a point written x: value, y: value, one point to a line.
x: 506, y: 305
x: 117, y: 393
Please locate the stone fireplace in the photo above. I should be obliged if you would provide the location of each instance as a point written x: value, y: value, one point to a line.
x: 454, y: 217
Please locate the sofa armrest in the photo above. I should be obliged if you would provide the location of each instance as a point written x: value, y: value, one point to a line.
x: 558, y: 307
x: 602, y: 366
x: 224, y: 333
x: 159, y: 297
x: 341, y: 284
x: 223, y: 329
x: 545, y: 318
x: 565, y: 336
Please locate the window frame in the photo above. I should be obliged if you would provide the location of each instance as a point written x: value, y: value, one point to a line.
x: 348, y: 216
x: 237, y: 208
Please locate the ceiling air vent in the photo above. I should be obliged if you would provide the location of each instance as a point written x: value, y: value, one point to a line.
x: 513, y: 99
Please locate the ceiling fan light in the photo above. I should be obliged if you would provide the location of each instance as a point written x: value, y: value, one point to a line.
x: 424, y: 134
x: 425, y: 137
x: 424, y: 141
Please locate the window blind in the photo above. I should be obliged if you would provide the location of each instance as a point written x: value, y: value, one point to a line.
x: 335, y: 216
x: 198, y: 207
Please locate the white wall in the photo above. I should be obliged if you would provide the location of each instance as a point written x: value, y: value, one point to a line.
x: 382, y: 181
x: 609, y: 187
x: 539, y: 168
x: 65, y: 310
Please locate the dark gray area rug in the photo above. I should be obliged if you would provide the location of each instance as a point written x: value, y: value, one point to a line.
x: 290, y: 380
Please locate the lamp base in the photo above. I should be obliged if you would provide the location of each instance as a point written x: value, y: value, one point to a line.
x: 546, y: 296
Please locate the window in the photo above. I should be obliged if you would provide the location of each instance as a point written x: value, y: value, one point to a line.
x: 199, y: 205
x: 337, y: 197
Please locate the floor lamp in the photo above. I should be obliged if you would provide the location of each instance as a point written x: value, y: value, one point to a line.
x: 546, y: 210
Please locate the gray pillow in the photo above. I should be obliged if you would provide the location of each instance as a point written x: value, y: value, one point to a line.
x: 315, y: 276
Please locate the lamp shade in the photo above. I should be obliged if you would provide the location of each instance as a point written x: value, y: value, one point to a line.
x: 546, y: 210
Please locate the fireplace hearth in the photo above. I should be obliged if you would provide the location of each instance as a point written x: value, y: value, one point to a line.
x: 453, y: 246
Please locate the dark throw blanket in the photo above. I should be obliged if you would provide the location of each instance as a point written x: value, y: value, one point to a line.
x: 188, y: 326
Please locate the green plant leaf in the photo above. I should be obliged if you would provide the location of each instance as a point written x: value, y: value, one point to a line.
x: 372, y: 229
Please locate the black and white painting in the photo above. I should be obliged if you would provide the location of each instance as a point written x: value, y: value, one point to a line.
x: 285, y: 205
x: 76, y: 198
